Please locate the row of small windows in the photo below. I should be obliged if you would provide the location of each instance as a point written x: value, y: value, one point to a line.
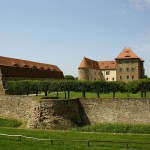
x: 127, y: 69
x: 126, y: 61
x: 127, y: 77
x: 112, y: 79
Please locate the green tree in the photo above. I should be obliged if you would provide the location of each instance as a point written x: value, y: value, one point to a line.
x: 69, y: 77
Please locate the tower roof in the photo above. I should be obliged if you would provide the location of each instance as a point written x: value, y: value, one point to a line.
x: 127, y: 53
x: 89, y: 63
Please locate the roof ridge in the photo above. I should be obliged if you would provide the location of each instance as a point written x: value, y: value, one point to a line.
x: 14, y: 62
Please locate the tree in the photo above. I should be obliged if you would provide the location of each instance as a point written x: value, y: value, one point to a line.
x: 116, y: 86
x: 98, y: 87
x: 69, y: 77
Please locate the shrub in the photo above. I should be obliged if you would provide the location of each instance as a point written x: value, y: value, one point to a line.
x: 10, y: 123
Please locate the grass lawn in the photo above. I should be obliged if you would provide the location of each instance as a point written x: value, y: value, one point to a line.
x: 11, y: 143
x: 103, y: 95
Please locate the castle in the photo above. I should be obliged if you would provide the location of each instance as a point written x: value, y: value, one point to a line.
x: 127, y: 66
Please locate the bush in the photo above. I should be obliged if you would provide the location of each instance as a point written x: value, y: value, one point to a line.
x: 10, y: 123
x: 116, y: 128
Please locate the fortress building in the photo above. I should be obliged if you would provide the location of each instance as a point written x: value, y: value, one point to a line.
x: 17, y: 69
x: 127, y: 66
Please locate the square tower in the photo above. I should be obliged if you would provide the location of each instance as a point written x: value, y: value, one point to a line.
x: 129, y: 66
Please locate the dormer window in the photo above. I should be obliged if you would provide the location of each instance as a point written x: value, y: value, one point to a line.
x: 15, y: 65
x: 127, y: 56
x: 34, y: 67
x: 26, y: 66
x: 48, y: 69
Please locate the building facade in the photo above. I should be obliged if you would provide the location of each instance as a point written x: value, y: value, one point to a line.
x: 17, y: 69
x: 127, y: 66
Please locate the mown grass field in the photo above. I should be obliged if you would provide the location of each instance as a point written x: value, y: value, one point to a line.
x: 11, y: 143
x: 94, y: 95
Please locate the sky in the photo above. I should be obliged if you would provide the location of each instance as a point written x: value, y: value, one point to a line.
x: 62, y: 32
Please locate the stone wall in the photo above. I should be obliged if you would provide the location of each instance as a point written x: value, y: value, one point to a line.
x: 1, y: 84
x: 117, y: 110
x: 57, y: 114
x: 90, y: 74
x: 132, y: 74
x: 18, y: 107
x: 64, y: 114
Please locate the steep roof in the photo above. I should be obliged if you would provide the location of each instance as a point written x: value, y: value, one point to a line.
x: 89, y: 63
x: 13, y: 62
x: 110, y: 65
x: 127, y: 53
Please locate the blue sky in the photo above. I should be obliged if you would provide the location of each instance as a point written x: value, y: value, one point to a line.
x: 62, y: 32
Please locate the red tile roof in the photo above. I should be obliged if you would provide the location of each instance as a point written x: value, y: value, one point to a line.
x: 11, y: 67
x: 103, y: 65
x: 12, y: 62
x: 127, y: 53
x: 89, y: 63
x: 110, y: 65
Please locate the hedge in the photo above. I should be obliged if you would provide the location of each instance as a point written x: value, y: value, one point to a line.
x: 34, y: 86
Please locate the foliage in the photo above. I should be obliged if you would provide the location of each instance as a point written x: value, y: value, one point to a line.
x: 69, y: 77
x: 142, y: 86
x: 66, y: 86
x: 10, y: 123
x: 116, y: 86
x: 116, y: 128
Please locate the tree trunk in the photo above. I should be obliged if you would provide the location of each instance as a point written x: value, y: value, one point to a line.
x: 114, y: 94
x: 65, y: 95
x: 45, y: 93
x: 145, y: 94
x: 57, y: 95
x: 141, y: 94
x: 36, y: 93
x: 83, y: 94
x: 98, y: 94
x: 68, y: 94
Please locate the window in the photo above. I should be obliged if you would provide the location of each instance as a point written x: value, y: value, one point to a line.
x: 120, y: 77
x: 132, y: 69
x: 132, y: 77
x: 107, y: 72
x: 128, y: 77
x: 132, y: 61
x: 127, y: 69
x: 119, y: 61
x: 120, y: 69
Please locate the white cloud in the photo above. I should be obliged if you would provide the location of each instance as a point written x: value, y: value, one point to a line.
x: 140, y: 4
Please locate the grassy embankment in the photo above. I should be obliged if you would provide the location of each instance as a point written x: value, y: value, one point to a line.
x: 12, y: 143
